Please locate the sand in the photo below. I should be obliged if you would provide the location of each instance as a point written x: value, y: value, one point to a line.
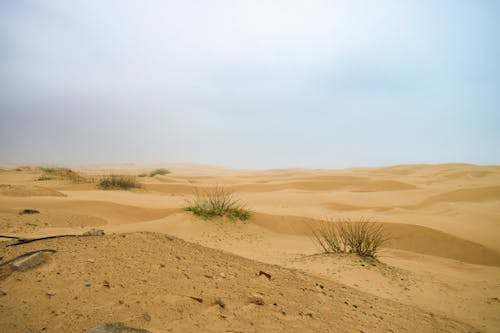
x: 439, y: 272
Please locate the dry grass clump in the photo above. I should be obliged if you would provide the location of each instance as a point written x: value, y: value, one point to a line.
x: 61, y: 173
x: 118, y: 182
x: 363, y: 237
x: 160, y: 172
x: 217, y: 202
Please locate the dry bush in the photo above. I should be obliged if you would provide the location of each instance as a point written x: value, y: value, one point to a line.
x: 362, y: 237
x: 118, y: 182
x: 217, y: 202
x: 160, y: 172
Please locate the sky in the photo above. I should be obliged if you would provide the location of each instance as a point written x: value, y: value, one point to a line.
x: 250, y: 84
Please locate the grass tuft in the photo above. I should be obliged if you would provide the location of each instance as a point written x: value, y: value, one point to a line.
x: 217, y: 202
x: 160, y: 172
x: 61, y: 173
x: 363, y: 237
x: 118, y: 182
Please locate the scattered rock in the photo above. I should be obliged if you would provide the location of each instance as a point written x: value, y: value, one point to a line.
x: 222, y: 275
x: 197, y: 299
x: 320, y: 285
x: 51, y: 293
x: 218, y: 301
x: 2, y: 293
x: 106, y: 284
x: 115, y: 328
x: 168, y: 237
x: 27, y: 262
x: 88, y: 283
x: 29, y: 211
x: 267, y: 275
x: 146, y: 317
x: 256, y: 299
x: 91, y: 260
x: 94, y: 232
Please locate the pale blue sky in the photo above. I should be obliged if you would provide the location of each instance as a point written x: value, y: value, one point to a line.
x: 250, y: 84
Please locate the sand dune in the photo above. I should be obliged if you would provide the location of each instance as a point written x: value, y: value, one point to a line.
x: 443, y: 257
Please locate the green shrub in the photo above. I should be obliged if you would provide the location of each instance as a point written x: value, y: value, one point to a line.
x: 160, y: 172
x: 61, y: 173
x: 363, y: 237
x: 217, y: 202
x: 118, y: 182
x: 43, y: 177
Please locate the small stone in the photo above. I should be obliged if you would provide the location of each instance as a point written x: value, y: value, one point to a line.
x: 2, y: 293
x: 94, y: 232
x: 222, y: 275
x: 30, y: 261
x: 120, y: 301
x: 218, y: 301
x: 91, y: 260
x: 257, y: 299
x: 88, y: 283
x: 146, y: 317
x: 29, y: 211
x: 115, y: 328
x: 51, y: 293
x: 106, y: 284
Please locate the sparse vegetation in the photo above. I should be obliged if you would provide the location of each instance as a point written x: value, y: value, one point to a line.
x: 363, y: 237
x: 142, y: 175
x: 217, y: 202
x: 61, y: 173
x: 160, y: 172
x: 118, y: 182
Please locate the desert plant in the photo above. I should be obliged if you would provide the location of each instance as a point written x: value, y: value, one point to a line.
x: 142, y: 175
x: 363, y: 237
x: 160, y: 172
x: 217, y: 202
x: 118, y: 182
x: 43, y: 177
x: 61, y: 173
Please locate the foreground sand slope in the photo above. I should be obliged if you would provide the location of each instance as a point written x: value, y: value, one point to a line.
x: 444, y: 220
x: 164, y: 284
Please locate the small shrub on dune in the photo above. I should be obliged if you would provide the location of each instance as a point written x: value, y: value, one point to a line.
x: 118, y: 182
x: 363, y: 237
x: 217, y: 202
x: 160, y: 172
x: 62, y: 174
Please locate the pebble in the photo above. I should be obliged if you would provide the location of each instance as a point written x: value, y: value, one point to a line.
x: 257, y: 299
x: 87, y: 283
x: 2, y: 293
x: 146, y: 317
x: 51, y: 293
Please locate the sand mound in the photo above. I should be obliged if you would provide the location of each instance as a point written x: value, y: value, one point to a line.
x: 163, y: 284
x: 28, y: 191
x: 402, y: 236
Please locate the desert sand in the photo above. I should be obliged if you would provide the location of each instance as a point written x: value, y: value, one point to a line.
x: 163, y: 269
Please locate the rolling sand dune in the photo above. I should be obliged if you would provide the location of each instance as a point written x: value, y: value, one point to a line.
x: 439, y: 272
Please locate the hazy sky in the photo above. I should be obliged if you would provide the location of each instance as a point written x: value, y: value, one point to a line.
x: 250, y: 84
